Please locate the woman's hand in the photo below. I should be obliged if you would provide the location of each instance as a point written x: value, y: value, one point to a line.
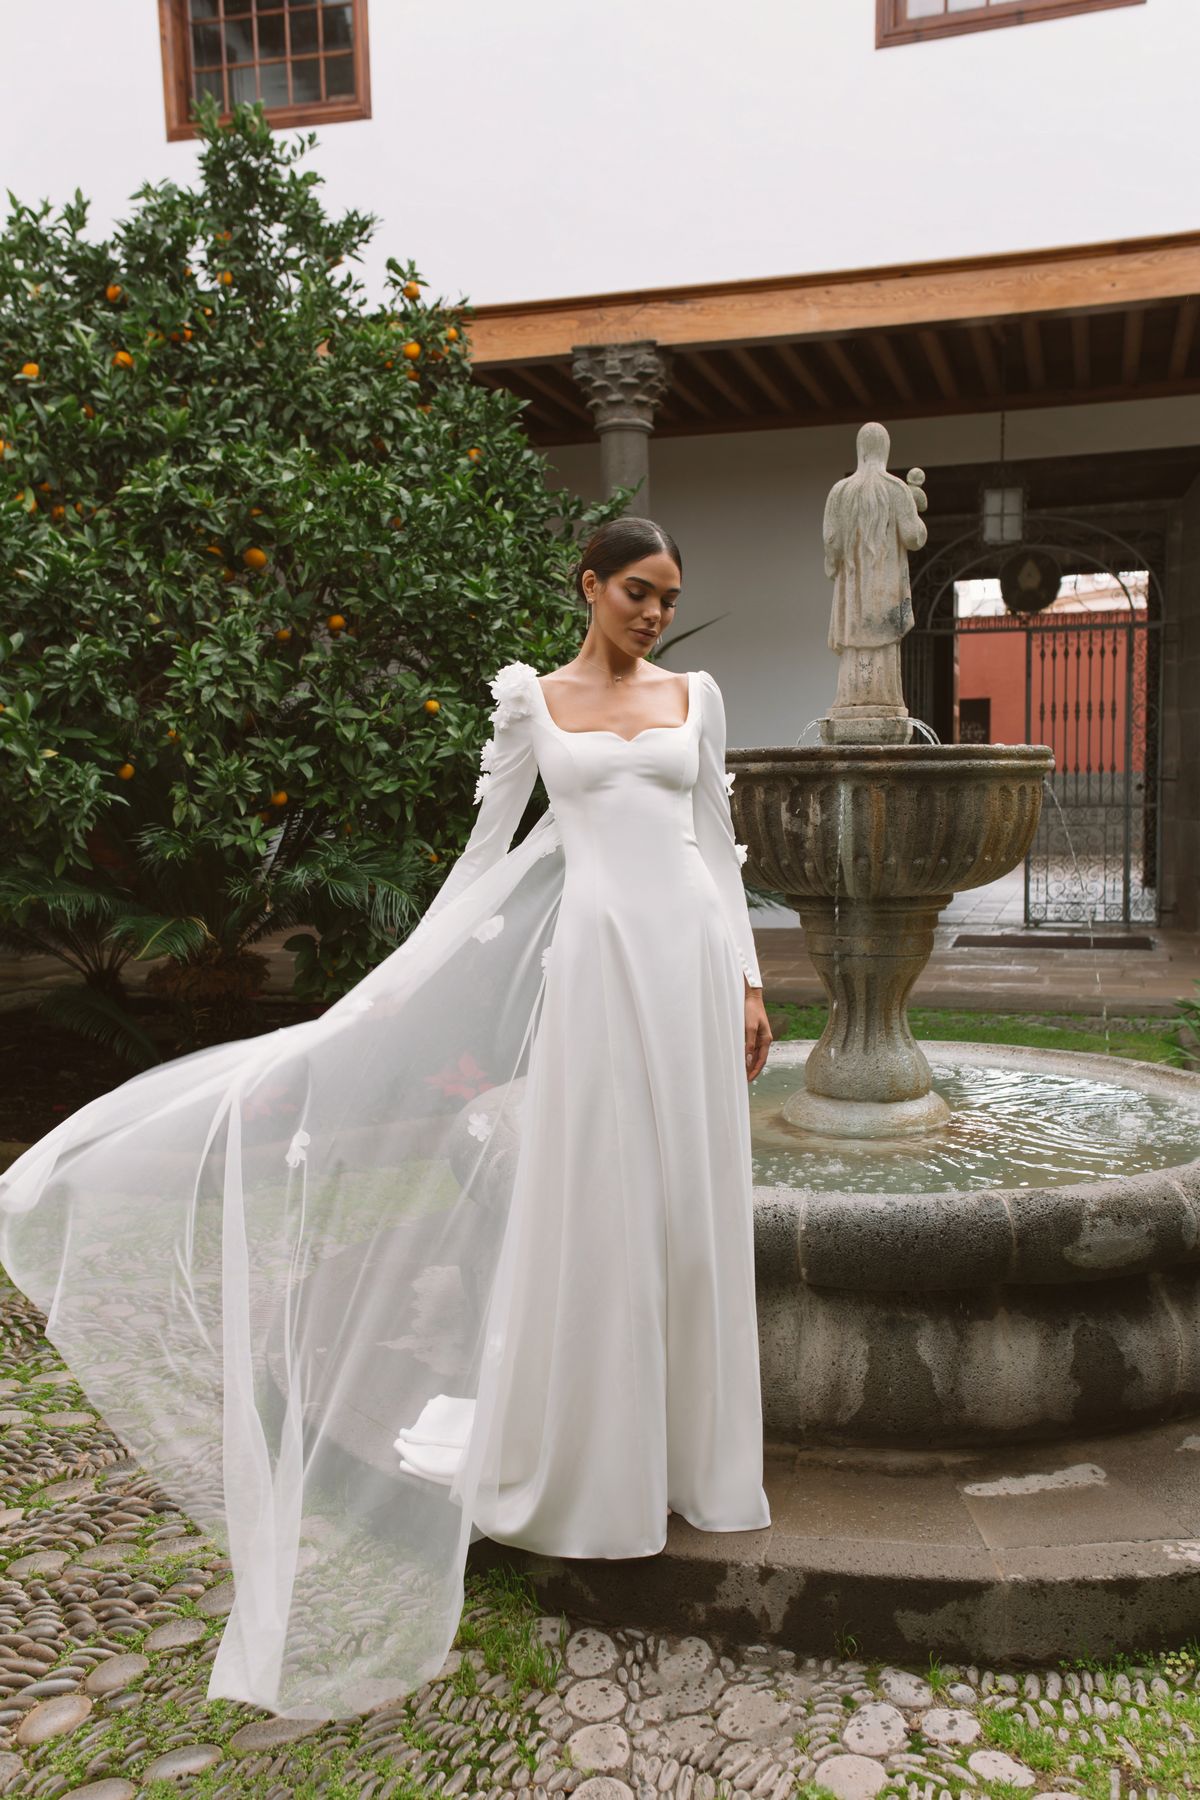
x: 758, y: 1032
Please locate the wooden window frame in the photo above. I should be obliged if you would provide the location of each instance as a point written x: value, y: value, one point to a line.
x: 892, y: 26
x: 175, y: 39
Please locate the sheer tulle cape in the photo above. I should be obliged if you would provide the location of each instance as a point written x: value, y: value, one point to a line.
x: 264, y: 1259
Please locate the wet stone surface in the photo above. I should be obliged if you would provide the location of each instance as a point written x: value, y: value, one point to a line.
x: 112, y: 1607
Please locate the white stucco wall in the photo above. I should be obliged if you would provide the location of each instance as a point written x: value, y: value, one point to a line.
x: 545, y: 149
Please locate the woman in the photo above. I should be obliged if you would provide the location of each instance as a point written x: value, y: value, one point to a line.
x: 472, y: 1251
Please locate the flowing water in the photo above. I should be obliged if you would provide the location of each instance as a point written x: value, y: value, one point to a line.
x: 1008, y: 1128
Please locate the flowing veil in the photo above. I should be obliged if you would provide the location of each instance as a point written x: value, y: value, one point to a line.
x: 264, y: 1259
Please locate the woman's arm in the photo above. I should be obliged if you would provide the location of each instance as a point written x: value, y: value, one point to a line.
x: 714, y: 824
x: 508, y: 767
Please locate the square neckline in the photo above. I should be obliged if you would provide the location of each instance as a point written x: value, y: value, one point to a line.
x: 606, y: 731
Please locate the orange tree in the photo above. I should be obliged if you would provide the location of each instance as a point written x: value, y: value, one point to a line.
x: 260, y: 544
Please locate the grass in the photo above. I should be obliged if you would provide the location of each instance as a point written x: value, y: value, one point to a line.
x: 1145, y: 1040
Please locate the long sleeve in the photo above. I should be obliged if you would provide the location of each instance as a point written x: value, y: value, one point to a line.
x: 713, y: 823
x: 509, y: 769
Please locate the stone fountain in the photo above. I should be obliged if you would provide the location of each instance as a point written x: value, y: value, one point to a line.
x: 917, y: 1286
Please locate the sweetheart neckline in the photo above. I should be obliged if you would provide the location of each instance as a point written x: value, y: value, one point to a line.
x: 605, y: 731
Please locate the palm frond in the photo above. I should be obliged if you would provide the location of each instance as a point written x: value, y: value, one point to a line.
x: 94, y: 1016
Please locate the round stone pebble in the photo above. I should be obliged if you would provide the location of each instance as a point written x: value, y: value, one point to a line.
x: 53, y: 1718
x: 595, y: 1699
x: 267, y: 1734
x: 174, y: 1634
x: 850, y: 1777
x: 68, y: 1418
x: 599, y: 1748
x: 690, y: 1657
x: 905, y: 1689
x: 603, y: 1787
x: 188, y: 1759
x: 950, y: 1725
x: 41, y: 1562
x: 104, y: 1556
x: 12, y: 1415
x: 590, y: 1652
x: 10, y: 1767
x: 111, y: 1789
x: 217, y: 1601
x: 875, y: 1730
x: 117, y: 1673
x: 753, y: 1713
x: 993, y: 1765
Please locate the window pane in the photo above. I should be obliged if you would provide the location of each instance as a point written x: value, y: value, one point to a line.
x: 210, y: 82
x: 304, y: 32
x: 273, y: 78
x: 203, y: 9
x: 339, y: 27
x: 925, y: 9
x: 243, y: 83
x: 206, y: 46
x: 239, y: 40
x: 271, y: 40
x: 965, y: 5
x: 339, y: 76
x: 306, y: 79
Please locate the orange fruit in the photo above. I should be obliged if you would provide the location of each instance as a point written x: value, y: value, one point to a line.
x: 425, y: 407
x: 225, y: 277
x: 187, y: 268
x: 434, y: 857
x: 122, y: 359
x: 397, y: 521
x: 58, y: 512
x: 89, y: 412
x: 213, y: 550
x: 79, y: 507
x: 254, y: 558
x: 284, y: 635
x: 187, y: 334
x: 413, y: 375
x: 412, y: 290
x: 255, y: 511
x: 336, y: 622
x: 474, y: 454
x: 279, y: 797
x: 44, y: 486
x: 31, y: 370
x: 208, y: 312
x: 228, y: 575
x: 412, y: 349
x: 432, y: 706
x: 126, y: 771
x: 172, y: 736
x: 389, y: 364
x: 113, y: 291
x: 452, y: 333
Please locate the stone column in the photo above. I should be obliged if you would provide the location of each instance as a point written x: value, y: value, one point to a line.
x: 624, y: 385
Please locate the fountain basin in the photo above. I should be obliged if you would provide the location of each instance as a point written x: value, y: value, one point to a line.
x: 869, y: 842
x: 985, y: 1313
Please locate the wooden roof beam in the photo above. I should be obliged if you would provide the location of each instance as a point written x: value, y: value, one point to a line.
x: 752, y: 367
x: 1181, y: 343
x: 1131, y: 346
x: 736, y: 396
x: 1081, y: 350
x: 797, y: 366
x: 889, y: 362
x: 985, y: 357
x: 939, y: 362
x: 767, y: 309
x: 1035, y: 361
x: 840, y: 359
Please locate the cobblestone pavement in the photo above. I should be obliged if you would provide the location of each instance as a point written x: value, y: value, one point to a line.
x: 111, y: 1608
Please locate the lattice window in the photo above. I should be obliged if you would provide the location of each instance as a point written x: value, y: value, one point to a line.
x: 908, y: 21
x: 306, y: 60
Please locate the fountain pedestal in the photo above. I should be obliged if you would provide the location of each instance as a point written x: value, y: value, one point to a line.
x: 867, y: 1077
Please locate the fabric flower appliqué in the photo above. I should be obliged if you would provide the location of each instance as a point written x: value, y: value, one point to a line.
x: 510, y: 686
x: 479, y: 1126
x: 730, y: 776
x: 298, y: 1150
x: 481, y: 787
x: 490, y: 928
x: 741, y: 851
x: 487, y: 754
x: 545, y: 957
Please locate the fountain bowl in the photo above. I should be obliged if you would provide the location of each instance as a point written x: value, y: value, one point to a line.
x: 869, y: 842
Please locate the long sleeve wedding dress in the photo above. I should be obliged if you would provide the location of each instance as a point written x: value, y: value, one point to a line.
x: 472, y: 1252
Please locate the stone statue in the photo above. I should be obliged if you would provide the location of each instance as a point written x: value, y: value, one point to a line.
x: 872, y: 520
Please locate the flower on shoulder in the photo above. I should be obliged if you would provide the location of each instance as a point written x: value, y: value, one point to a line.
x: 487, y: 754
x: 741, y: 851
x: 490, y: 928
x: 511, y: 689
x: 481, y: 787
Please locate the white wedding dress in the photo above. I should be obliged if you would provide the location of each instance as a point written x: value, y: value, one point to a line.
x: 471, y: 1253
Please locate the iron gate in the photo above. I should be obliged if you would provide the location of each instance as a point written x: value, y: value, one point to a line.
x: 1092, y: 693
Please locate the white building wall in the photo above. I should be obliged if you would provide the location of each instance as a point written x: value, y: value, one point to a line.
x: 555, y: 147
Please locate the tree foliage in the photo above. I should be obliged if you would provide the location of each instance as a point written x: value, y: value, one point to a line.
x: 260, y: 545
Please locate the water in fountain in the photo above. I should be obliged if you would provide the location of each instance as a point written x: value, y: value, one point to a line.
x: 1089, y: 916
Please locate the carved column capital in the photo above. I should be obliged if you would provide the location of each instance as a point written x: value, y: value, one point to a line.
x: 622, y: 383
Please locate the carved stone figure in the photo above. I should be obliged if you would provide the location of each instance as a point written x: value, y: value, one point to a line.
x: 872, y: 521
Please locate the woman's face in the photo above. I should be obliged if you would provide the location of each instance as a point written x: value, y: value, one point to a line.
x: 634, y: 607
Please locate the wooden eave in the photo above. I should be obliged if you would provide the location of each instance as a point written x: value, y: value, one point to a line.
x: 1047, y: 328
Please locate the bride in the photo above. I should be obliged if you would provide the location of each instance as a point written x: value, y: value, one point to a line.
x: 472, y: 1252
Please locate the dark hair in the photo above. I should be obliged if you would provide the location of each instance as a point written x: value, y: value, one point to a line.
x: 621, y: 542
